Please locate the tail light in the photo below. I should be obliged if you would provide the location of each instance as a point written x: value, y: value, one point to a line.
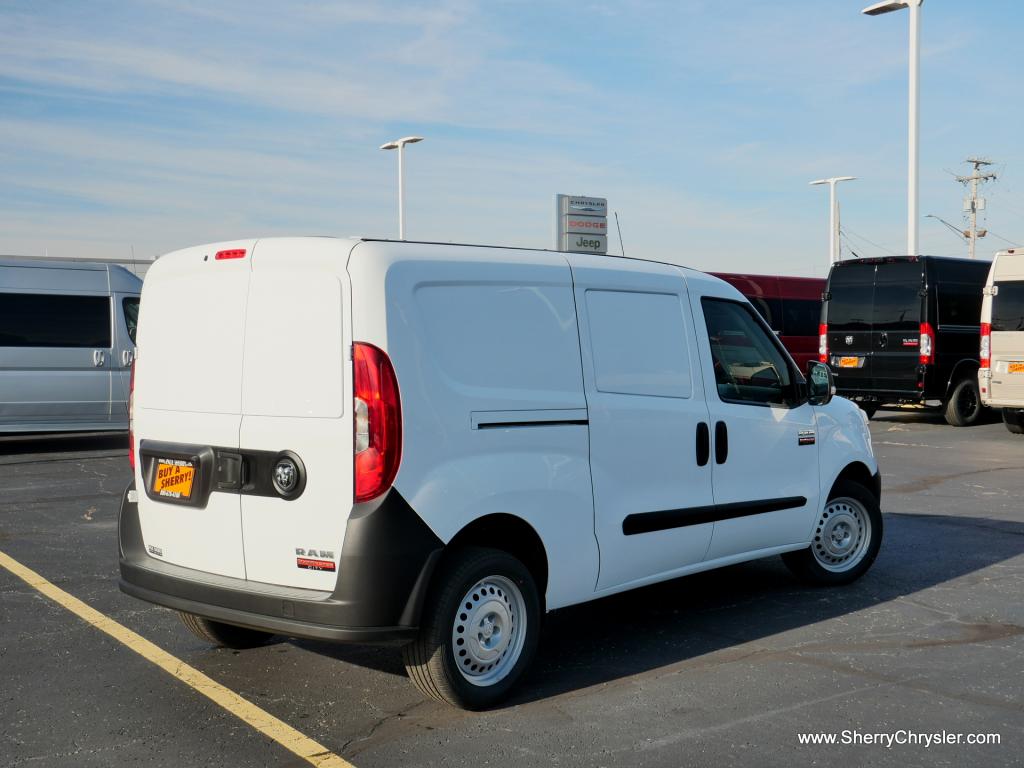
x: 823, y: 343
x: 131, y: 417
x: 378, y: 421
x: 926, y: 344
x: 986, y: 345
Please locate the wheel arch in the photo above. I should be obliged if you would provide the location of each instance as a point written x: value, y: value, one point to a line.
x: 508, y: 533
x: 964, y: 369
x: 859, y: 473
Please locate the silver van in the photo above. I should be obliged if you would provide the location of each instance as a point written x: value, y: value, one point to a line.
x: 67, y: 340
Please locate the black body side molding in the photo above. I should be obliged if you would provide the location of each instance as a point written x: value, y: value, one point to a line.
x: 663, y: 520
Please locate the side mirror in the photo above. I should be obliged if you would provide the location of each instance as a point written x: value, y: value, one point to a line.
x: 820, y: 384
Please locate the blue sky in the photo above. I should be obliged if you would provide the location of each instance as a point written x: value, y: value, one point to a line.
x: 153, y: 126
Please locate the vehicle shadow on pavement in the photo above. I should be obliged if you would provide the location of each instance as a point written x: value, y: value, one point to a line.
x: 696, y: 618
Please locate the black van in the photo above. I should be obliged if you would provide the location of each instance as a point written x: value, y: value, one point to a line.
x: 905, y: 329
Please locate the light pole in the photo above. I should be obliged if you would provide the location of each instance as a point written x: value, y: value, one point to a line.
x: 833, y: 215
x: 399, y: 144
x: 888, y: 6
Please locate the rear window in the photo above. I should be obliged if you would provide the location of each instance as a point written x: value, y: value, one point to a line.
x: 52, y: 320
x: 959, y: 304
x: 800, y: 317
x: 897, y: 306
x: 849, y: 307
x: 1008, y: 307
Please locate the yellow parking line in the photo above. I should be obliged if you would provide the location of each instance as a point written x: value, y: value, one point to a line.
x: 262, y: 721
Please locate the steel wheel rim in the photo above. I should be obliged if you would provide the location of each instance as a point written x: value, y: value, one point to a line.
x: 489, y: 630
x: 842, y: 535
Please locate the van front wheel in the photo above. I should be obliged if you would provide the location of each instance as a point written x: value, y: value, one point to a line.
x: 963, y: 409
x: 479, y: 630
x: 223, y: 635
x: 847, y: 537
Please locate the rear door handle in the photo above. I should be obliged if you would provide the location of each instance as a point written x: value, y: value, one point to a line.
x: 703, y: 444
x: 126, y: 357
x: 721, y: 442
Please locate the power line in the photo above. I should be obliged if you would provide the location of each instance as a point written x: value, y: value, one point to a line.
x: 1000, y: 237
x: 882, y: 248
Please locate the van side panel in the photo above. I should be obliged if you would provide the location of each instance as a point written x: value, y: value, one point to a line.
x: 488, y: 363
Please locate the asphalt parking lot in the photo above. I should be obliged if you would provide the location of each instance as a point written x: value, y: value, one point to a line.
x: 715, y: 669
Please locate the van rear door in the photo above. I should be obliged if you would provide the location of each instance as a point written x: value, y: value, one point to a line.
x: 896, y: 325
x: 188, y: 393
x: 296, y: 387
x: 1007, y: 339
x: 849, y: 315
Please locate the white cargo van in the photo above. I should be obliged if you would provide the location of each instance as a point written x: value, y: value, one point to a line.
x: 432, y: 445
x: 67, y: 339
x: 1001, y: 376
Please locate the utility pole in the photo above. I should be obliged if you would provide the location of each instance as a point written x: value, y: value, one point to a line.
x: 973, y: 203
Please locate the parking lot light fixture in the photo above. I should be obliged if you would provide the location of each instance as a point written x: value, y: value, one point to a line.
x: 399, y: 144
x: 888, y: 6
x: 833, y: 215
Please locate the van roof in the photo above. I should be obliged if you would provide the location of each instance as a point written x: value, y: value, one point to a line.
x: 904, y: 259
x: 119, y: 278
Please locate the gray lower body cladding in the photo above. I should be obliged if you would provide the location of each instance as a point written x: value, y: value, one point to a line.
x: 386, y: 564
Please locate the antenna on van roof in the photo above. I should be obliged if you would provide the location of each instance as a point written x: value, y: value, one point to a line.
x: 621, y: 246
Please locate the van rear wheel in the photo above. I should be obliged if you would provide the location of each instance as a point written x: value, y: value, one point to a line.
x: 846, y: 541
x: 1013, y: 418
x: 223, y: 635
x: 963, y: 409
x: 479, y: 630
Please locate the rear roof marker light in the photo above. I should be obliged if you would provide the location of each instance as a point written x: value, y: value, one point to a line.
x: 232, y: 253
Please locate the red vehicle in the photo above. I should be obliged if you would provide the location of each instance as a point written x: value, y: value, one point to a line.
x: 791, y: 305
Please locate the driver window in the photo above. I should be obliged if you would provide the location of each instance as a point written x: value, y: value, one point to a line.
x: 748, y: 366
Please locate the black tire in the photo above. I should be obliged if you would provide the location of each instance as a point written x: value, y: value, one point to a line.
x: 1013, y: 420
x: 224, y: 635
x: 869, y: 408
x: 963, y: 409
x: 432, y: 659
x: 805, y: 564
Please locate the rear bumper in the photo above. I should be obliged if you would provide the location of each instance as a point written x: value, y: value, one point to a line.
x: 881, y: 395
x: 386, y: 564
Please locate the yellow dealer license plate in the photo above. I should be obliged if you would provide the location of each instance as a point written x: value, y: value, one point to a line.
x: 1016, y: 368
x: 173, y: 478
x: 849, y: 362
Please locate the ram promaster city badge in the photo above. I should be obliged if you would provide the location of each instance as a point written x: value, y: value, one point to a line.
x: 433, y: 445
